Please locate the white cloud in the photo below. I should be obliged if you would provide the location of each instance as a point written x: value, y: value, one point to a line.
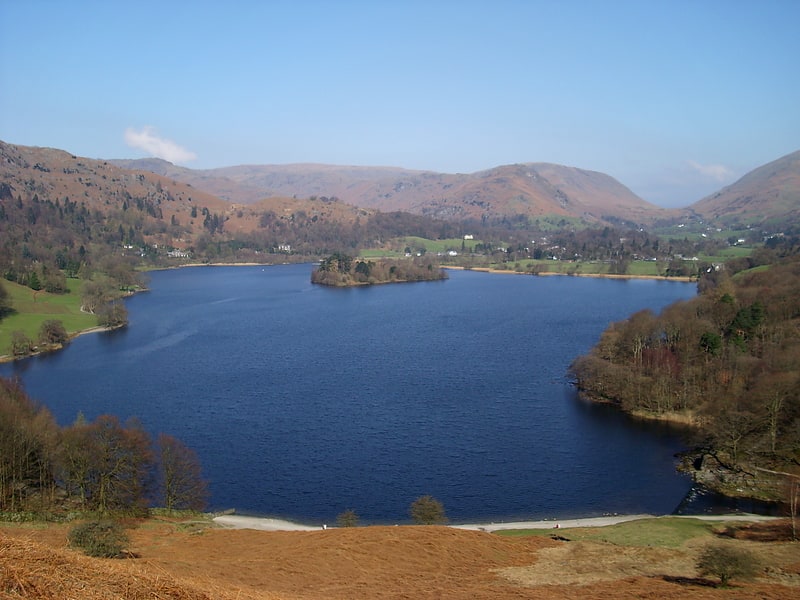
x: 148, y: 140
x: 719, y: 173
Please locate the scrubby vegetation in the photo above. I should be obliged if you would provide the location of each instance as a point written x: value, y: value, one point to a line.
x: 427, y: 510
x: 727, y: 562
x: 348, y: 518
x: 101, y: 539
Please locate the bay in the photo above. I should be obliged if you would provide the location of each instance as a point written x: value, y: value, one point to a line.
x: 303, y: 401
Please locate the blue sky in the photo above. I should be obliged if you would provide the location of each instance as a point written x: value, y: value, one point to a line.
x: 674, y: 99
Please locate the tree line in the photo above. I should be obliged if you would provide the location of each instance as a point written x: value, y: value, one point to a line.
x: 104, y: 465
x: 728, y: 358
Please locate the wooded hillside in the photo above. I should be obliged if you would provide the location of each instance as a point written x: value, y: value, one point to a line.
x: 729, y: 359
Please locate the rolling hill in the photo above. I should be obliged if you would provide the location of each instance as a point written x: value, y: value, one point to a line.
x: 768, y: 195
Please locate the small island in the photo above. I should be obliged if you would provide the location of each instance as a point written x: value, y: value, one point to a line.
x: 341, y: 270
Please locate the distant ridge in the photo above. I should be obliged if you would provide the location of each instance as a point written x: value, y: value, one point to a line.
x: 532, y: 190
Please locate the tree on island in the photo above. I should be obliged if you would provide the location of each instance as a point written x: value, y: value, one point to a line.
x: 343, y: 270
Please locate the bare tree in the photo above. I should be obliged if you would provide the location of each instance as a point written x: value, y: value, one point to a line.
x: 108, y: 464
x: 182, y: 485
x: 793, y: 501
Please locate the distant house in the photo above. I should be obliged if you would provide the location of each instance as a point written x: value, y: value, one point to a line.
x: 285, y: 248
x: 178, y: 254
x: 469, y: 236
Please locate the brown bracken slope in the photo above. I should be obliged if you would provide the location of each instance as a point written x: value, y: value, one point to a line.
x: 176, y: 561
x: 102, y: 186
x: 530, y: 189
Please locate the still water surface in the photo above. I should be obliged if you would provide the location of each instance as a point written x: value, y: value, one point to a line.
x: 304, y: 401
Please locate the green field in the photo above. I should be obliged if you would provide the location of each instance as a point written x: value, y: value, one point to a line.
x: 466, y: 259
x: 436, y: 246
x: 31, y: 309
x: 668, y: 532
x: 636, y: 268
x: 726, y: 253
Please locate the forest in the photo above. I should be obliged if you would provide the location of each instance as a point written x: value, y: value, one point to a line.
x: 103, y: 466
x: 726, y: 361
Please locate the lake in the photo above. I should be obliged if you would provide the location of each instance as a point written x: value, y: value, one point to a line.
x: 304, y: 401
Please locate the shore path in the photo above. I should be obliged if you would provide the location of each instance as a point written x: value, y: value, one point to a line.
x: 266, y: 524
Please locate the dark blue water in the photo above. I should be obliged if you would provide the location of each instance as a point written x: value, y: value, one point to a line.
x: 304, y: 401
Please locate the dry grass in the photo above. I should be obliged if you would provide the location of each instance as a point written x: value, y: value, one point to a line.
x: 181, y: 562
x: 32, y: 570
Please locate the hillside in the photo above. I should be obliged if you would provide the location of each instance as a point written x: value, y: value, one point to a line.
x: 767, y: 195
x: 59, y: 202
x: 107, y: 188
x: 533, y: 190
x: 100, y: 185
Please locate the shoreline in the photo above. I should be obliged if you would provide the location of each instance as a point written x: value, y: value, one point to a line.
x: 271, y: 524
x: 9, y: 358
x: 684, y: 279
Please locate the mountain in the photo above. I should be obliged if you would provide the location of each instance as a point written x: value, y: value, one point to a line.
x: 533, y: 190
x: 767, y: 195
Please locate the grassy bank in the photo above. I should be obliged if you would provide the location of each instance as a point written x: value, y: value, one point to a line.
x: 32, y: 308
x: 667, y: 532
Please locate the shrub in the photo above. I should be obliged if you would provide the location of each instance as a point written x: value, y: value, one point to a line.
x: 727, y: 562
x: 21, y: 344
x: 348, y: 518
x: 104, y: 539
x: 427, y: 510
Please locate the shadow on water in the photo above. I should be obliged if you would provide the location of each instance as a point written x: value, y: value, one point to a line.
x: 699, y: 500
x: 703, y: 501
